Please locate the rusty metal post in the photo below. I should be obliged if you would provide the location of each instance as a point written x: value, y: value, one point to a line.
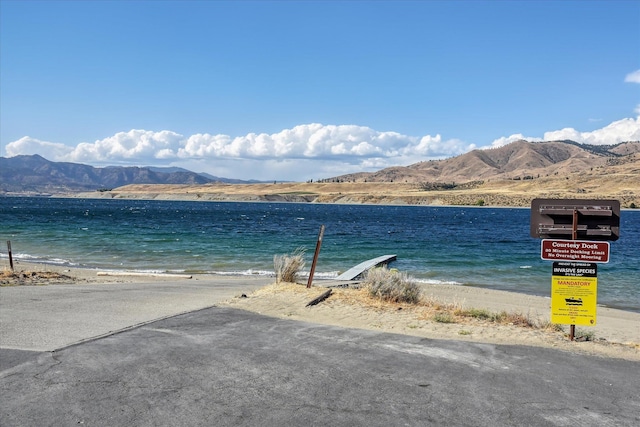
x: 315, y: 256
x: 10, y: 255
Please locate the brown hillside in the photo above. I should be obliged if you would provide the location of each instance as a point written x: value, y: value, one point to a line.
x: 618, y: 178
x: 512, y: 175
x: 518, y: 159
x: 626, y: 148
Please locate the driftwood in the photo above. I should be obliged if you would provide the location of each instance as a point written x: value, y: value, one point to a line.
x: 319, y: 299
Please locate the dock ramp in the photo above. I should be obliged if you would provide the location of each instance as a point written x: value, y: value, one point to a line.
x: 354, y: 272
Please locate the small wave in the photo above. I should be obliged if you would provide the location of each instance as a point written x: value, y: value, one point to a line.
x: 270, y: 273
x: 138, y: 271
x: 322, y: 275
x: 149, y: 271
x: 525, y: 266
x: 437, y: 282
x: 249, y: 272
x: 39, y: 260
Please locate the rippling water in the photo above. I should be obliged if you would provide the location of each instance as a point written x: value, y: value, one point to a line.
x: 487, y: 247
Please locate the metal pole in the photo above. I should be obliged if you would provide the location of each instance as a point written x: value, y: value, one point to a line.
x: 574, y: 236
x: 315, y: 256
x: 10, y: 255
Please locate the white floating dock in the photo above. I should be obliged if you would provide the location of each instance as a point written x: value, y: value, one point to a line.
x: 354, y: 272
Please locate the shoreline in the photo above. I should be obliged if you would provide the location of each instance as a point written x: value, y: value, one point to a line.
x: 616, y: 334
x: 496, y: 193
x: 231, y: 199
x: 113, y: 272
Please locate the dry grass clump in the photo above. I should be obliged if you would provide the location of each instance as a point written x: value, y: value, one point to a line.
x: 444, y: 317
x: 392, y: 286
x: 501, y: 317
x: 385, y: 289
x: 289, y: 266
x: 5, y: 274
x: 506, y: 318
x: 429, y: 309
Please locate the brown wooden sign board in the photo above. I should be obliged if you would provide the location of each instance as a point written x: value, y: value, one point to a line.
x: 597, y: 219
x: 574, y: 250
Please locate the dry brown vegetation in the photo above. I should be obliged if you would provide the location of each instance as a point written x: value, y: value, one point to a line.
x: 288, y: 266
x: 395, y: 287
x: 436, y: 316
x: 621, y: 183
x: 32, y: 278
x: 426, y: 308
x: 518, y: 160
x: 391, y: 285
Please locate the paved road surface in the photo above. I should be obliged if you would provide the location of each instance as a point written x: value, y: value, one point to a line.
x: 226, y: 367
x: 47, y: 318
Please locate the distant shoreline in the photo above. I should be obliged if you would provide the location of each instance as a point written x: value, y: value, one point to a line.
x: 505, y: 201
x: 493, y: 194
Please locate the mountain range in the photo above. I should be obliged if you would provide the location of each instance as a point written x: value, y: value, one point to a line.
x: 33, y: 174
x: 520, y: 160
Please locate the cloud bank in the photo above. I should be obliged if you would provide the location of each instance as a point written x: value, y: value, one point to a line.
x: 619, y: 131
x: 309, y: 151
x: 354, y: 148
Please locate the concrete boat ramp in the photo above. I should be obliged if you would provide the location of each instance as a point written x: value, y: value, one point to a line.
x: 355, y: 272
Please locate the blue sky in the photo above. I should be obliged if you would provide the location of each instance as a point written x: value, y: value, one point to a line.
x: 307, y: 90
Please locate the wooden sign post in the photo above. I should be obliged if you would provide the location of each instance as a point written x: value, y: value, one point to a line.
x: 588, y: 223
x: 315, y: 256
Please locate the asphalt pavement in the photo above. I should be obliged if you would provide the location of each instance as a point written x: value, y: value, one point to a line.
x: 227, y: 367
x: 46, y: 318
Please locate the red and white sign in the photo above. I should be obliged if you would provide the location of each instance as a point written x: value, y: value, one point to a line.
x: 574, y: 250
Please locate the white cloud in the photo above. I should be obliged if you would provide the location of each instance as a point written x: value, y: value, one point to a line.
x: 633, y: 77
x: 334, y: 149
x: 309, y: 151
x: 133, y: 146
x: 317, y: 141
x: 509, y: 139
x: 614, y: 133
x: 49, y: 150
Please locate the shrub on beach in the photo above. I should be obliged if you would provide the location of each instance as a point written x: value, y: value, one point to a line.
x: 391, y: 285
x: 288, y: 266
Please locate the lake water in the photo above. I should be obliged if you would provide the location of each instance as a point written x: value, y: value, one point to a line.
x: 484, y: 247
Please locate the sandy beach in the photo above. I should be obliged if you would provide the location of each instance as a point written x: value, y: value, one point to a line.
x: 617, y: 333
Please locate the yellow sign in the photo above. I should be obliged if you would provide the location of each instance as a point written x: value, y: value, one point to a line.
x: 573, y: 300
